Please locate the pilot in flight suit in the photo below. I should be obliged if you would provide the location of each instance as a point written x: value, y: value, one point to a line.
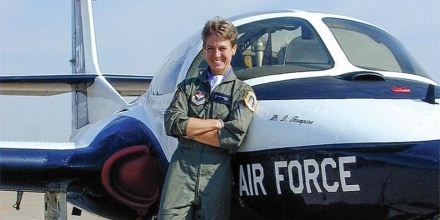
x: 199, y: 179
x: 202, y: 173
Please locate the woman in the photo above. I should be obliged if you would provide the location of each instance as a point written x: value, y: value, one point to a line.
x: 210, y: 115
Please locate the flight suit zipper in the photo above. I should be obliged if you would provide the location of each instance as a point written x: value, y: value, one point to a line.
x: 196, y: 202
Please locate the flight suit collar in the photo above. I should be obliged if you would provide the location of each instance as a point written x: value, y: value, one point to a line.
x: 230, y: 77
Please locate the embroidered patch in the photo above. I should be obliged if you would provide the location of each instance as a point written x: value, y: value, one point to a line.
x: 250, y: 100
x: 199, y: 98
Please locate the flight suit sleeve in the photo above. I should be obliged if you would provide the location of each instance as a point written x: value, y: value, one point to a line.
x: 176, y: 118
x: 239, y: 119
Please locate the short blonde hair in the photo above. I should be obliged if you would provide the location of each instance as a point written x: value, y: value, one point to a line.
x: 220, y: 27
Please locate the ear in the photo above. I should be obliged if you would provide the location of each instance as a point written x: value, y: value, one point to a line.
x: 234, y: 48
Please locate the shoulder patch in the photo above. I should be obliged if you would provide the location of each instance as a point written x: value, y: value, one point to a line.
x: 250, y: 100
x: 199, y: 97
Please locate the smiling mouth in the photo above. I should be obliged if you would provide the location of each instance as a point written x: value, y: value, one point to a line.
x: 217, y: 61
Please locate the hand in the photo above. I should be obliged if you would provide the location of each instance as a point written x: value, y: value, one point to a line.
x: 221, y: 124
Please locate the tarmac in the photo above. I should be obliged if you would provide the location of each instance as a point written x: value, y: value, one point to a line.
x: 32, y: 207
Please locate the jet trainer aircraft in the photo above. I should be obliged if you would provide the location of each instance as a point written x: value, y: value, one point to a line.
x: 347, y: 126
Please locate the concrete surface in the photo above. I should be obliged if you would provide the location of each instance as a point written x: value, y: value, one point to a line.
x: 32, y: 207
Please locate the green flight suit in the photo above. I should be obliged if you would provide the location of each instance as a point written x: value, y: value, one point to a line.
x: 199, y: 179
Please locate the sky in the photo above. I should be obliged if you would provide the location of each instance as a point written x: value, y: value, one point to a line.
x: 135, y: 36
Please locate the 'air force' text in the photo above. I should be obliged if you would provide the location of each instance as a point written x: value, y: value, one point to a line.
x: 309, y: 176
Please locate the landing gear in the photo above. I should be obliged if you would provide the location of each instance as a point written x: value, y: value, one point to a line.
x: 55, y: 206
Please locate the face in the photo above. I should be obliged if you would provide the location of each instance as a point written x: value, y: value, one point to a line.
x: 218, y: 54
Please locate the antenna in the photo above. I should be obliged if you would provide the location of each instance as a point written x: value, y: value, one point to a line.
x: 430, y: 95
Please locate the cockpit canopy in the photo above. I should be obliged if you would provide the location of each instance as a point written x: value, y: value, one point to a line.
x: 274, y: 46
x: 291, y: 44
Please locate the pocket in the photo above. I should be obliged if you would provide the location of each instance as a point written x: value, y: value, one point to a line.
x: 169, y: 214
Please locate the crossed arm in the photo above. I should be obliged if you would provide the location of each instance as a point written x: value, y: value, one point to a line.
x: 204, y: 130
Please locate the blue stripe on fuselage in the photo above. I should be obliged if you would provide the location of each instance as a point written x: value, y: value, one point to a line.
x: 364, y: 180
x: 328, y: 87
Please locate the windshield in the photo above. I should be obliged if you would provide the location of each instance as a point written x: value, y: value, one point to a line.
x: 274, y: 46
x: 370, y: 48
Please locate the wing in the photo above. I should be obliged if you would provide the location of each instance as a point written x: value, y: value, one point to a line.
x: 47, y: 85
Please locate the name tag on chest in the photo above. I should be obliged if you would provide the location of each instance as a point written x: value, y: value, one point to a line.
x: 221, y: 98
